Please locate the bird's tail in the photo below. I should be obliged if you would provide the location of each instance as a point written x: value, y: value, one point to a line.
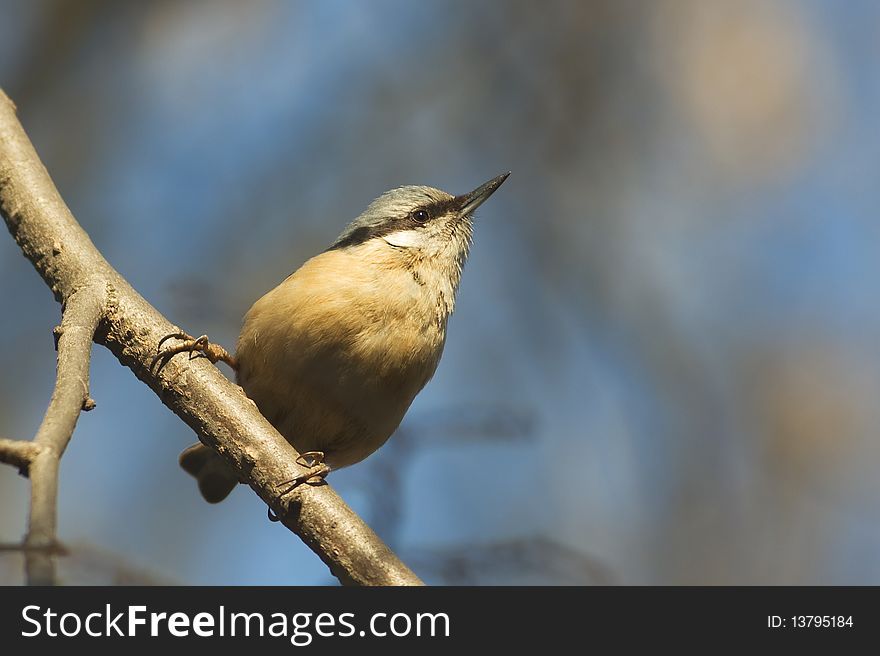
x: 216, y: 478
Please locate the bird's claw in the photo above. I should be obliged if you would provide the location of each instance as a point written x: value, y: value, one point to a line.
x: 318, y: 470
x: 181, y: 336
x: 197, y: 347
x: 310, y: 458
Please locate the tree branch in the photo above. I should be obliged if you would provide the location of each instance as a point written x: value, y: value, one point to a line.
x: 219, y: 412
x: 18, y: 453
x: 82, y: 312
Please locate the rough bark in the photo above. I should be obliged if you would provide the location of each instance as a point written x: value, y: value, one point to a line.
x: 218, y: 411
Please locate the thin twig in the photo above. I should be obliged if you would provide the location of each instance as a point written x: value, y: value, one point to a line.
x: 40, y: 458
x: 196, y: 391
x: 18, y: 453
x: 82, y: 312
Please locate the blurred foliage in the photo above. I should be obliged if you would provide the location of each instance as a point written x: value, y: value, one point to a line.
x: 662, y: 364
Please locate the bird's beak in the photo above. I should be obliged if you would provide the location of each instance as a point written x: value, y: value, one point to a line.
x: 469, y: 202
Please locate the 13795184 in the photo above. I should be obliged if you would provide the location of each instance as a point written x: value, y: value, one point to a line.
x: 821, y: 621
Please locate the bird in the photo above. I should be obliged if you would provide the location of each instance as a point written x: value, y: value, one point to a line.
x: 336, y: 353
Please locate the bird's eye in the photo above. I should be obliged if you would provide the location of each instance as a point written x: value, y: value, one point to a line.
x: 420, y: 216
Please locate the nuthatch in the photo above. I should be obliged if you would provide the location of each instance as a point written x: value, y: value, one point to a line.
x: 334, y: 355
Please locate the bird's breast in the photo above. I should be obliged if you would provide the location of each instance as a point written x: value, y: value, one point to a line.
x: 334, y: 356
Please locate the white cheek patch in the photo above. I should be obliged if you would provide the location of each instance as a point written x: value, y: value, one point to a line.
x: 405, y: 238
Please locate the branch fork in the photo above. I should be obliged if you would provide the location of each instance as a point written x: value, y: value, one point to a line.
x: 100, y: 306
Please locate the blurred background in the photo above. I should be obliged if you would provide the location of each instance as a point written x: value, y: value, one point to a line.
x: 664, y: 365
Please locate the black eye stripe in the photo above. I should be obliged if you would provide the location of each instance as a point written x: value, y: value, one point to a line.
x: 441, y: 207
x: 363, y: 234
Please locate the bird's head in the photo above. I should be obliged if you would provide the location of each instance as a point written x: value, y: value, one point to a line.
x: 430, y: 224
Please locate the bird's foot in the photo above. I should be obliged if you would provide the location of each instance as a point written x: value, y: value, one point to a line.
x: 318, y: 470
x: 197, y: 347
